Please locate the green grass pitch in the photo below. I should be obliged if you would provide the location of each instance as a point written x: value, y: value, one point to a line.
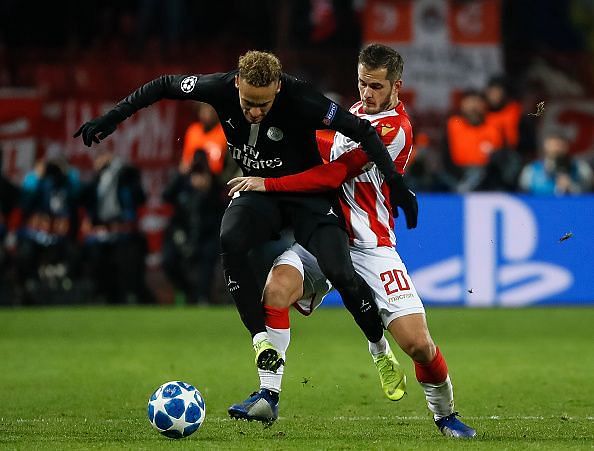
x: 79, y: 378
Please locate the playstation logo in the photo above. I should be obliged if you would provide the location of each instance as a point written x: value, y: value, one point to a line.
x: 500, y: 240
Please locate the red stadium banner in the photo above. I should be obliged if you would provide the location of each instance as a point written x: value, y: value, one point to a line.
x: 146, y: 139
x: 33, y: 127
x: 475, y: 22
x: 446, y: 45
x: 387, y: 21
x: 20, y: 119
x: 150, y: 140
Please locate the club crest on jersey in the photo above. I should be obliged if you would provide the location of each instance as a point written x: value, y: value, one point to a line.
x: 188, y: 83
x: 275, y: 134
x: 386, y: 128
x: 330, y: 114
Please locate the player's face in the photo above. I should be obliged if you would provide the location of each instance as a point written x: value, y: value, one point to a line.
x: 377, y: 92
x: 256, y: 101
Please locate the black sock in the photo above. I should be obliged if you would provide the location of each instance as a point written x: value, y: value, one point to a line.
x: 358, y: 299
x: 329, y: 244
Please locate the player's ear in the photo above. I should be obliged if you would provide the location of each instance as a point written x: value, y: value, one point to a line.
x: 278, y: 88
x: 396, y: 86
x: 237, y: 81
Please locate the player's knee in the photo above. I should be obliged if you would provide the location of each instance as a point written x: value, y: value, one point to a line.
x: 234, y: 241
x: 421, y: 349
x: 275, y: 296
x: 283, y: 288
x: 340, y: 277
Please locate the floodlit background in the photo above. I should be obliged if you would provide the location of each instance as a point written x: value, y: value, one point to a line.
x: 500, y: 94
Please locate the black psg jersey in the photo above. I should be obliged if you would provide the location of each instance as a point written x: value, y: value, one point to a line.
x: 284, y: 141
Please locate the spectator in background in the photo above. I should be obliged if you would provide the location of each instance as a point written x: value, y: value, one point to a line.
x: 471, y: 138
x: 504, y: 112
x: 9, y: 197
x: 191, y: 242
x: 532, y: 96
x: 426, y: 171
x: 114, y: 248
x: 206, y: 135
x: 45, y: 255
x: 501, y: 172
x: 556, y: 172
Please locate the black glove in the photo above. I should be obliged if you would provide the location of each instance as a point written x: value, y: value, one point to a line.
x: 401, y: 196
x: 99, y: 128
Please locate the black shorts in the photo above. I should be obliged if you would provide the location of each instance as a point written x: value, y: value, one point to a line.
x: 302, y: 213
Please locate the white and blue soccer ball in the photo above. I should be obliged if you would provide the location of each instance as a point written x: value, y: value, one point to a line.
x: 176, y: 409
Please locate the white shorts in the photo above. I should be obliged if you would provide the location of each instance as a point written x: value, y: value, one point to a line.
x: 315, y: 284
x: 382, y: 269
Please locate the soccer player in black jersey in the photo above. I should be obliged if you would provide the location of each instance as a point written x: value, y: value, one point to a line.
x: 270, y: 119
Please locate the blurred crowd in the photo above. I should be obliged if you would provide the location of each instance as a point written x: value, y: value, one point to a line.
x: 494, y: 142
x: 66, y: 236
x: 64, y: 239
x: 69, y: 238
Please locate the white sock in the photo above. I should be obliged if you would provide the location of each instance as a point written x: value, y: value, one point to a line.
x: 440, y: 398
x: 260, y: 336
x: 381, y: 347
x: 280, y: 339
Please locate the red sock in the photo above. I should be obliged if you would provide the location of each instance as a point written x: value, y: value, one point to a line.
x: 276, y: 318
x: 433, y: 372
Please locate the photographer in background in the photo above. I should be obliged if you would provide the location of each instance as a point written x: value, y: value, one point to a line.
x: 191, y: 242
x: 9, y: 198
x: 114, y: 248
x: 556, y: 172
x: 46, y: 251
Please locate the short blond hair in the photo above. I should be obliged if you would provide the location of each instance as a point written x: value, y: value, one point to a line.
x: 259, y: 69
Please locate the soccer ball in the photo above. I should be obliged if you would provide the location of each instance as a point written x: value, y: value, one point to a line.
x: 176, y: 409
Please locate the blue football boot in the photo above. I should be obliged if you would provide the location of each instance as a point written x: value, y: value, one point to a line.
x: 451, y: 426
x: 260, y: 406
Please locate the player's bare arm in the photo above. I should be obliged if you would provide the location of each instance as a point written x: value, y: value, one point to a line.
x: 324, y: 177
x: 246, y: 184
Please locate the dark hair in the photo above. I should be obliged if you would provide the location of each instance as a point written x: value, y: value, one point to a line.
x: 498, y: 80
x: 503, y: 82
x: 56, y: 172
x: 378, y: 56
x: 472, y: 92
x: 199, y: 163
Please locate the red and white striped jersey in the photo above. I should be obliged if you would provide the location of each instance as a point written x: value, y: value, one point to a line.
x: 365, y: 198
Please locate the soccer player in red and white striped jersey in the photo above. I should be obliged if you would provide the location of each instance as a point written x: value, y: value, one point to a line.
x: 365, y: 197
x: 297, y: 280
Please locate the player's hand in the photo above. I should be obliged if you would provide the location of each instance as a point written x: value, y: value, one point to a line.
x: 402, y: 197
x: 246, y: 184
x: 99, y: 128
